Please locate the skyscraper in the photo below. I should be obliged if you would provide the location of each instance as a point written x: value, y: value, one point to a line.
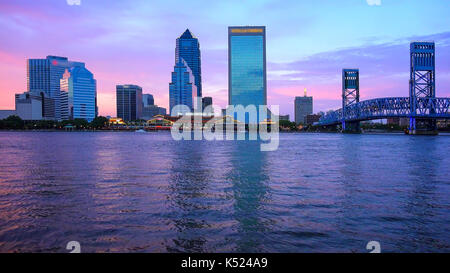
x: 182, y: 89
x: 303, y: 107
x: 78, y: 97
x: 188, y: 48
x: 247, y: 66
x: 43, y: 75
x: 129, y: 102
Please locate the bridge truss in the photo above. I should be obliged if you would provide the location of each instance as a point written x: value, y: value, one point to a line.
x: 421, y: 104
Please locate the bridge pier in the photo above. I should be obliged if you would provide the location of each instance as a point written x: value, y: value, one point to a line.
x: 351, y: 127
x: 422, y: 126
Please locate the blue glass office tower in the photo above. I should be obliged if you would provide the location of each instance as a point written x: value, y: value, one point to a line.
x: 182, y: 89
x: 78, y: 97
x: 188, y: 48
x: 247, y: 66
x: 44, y: 75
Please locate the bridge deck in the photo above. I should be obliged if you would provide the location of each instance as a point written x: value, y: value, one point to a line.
x: 381, y: 108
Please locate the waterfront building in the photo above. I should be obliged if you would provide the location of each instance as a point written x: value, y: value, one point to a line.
x: 207, y: 101
x: 147, y: 99
x: 6, y: 113
x: 34, y: 106
x: 303, y: 107
x: 78, y: 94
x: 44, y: 75
x: 182, y: 89
x: 129, y: 102
x: 247, y: 81
x: 148, y: 112
x: 310, y: 119
x: 29, y: 106
x: 283, y: 117
x: 188, y: 48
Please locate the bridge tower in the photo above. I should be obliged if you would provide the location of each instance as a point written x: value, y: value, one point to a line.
x: 421, y: 82
x: 350, y: 96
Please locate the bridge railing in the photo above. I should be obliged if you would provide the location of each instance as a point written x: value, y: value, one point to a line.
x: 390, y: 107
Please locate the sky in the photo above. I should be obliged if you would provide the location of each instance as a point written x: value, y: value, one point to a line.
x: 308, y: 44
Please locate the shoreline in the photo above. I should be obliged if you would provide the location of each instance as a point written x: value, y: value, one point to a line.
x: 443, y: 133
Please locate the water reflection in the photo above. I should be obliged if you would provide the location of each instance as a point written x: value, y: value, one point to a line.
x: 189, y: 178
x: 250, y: 191
x: 128, y: 192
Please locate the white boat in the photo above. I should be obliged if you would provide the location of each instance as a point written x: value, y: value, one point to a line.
x: 141, y: 131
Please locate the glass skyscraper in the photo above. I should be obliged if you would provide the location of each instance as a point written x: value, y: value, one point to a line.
x: 78, y: 97
x: 44, y: 75
x: 182, y: 89
x: 247, y: 66
x: 129, y: 102
x: 188, y: 48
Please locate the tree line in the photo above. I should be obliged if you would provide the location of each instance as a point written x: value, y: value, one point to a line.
x: 16, y: 123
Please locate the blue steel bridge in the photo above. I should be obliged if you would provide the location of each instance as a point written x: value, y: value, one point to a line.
x: 422, y: 107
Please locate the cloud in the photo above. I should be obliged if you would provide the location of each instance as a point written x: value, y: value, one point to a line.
x: 384, y: 69
x: 73, y: 2
x: 374, y: 2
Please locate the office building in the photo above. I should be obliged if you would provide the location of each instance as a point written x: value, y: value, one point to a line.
x: 43, y: 75
x: 207, y: 101
x: 310, y: 119
x: 147, y: 99
x: 148, y: 112
x: 6, y: 113
x: 188, y: 48
x: 78, y: 94
x: 34, y: 106
x: 247, y: 81
x: 182, y: 89
x: 283, y: 117
x: 29, y: 106
x: 129, y: 102
x: 303, y: 107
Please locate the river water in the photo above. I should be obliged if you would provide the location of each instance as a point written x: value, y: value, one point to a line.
x: 144, y: 192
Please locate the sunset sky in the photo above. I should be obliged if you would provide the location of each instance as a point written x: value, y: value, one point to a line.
x: 308, y: 43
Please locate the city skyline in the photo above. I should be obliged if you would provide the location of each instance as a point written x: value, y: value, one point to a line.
x: 297, y: 57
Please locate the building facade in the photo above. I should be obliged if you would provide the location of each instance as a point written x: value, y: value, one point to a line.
x: 44, y: 75
x: 311, y: 119
x: 147, y: 99
x: 283, y: 117
x: 78, y: 96
x: 303, y: 107
x: 129, y: 102
x: 247, y: 81
x: 188, y: 48
x: 148, y: 112
x: 29, y: 106
x: 182, y: 89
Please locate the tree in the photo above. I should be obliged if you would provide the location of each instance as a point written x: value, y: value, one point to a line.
x: 99, y: 122
x: 80, y: 123
x: 14, y: 122
x: 287, y: 124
